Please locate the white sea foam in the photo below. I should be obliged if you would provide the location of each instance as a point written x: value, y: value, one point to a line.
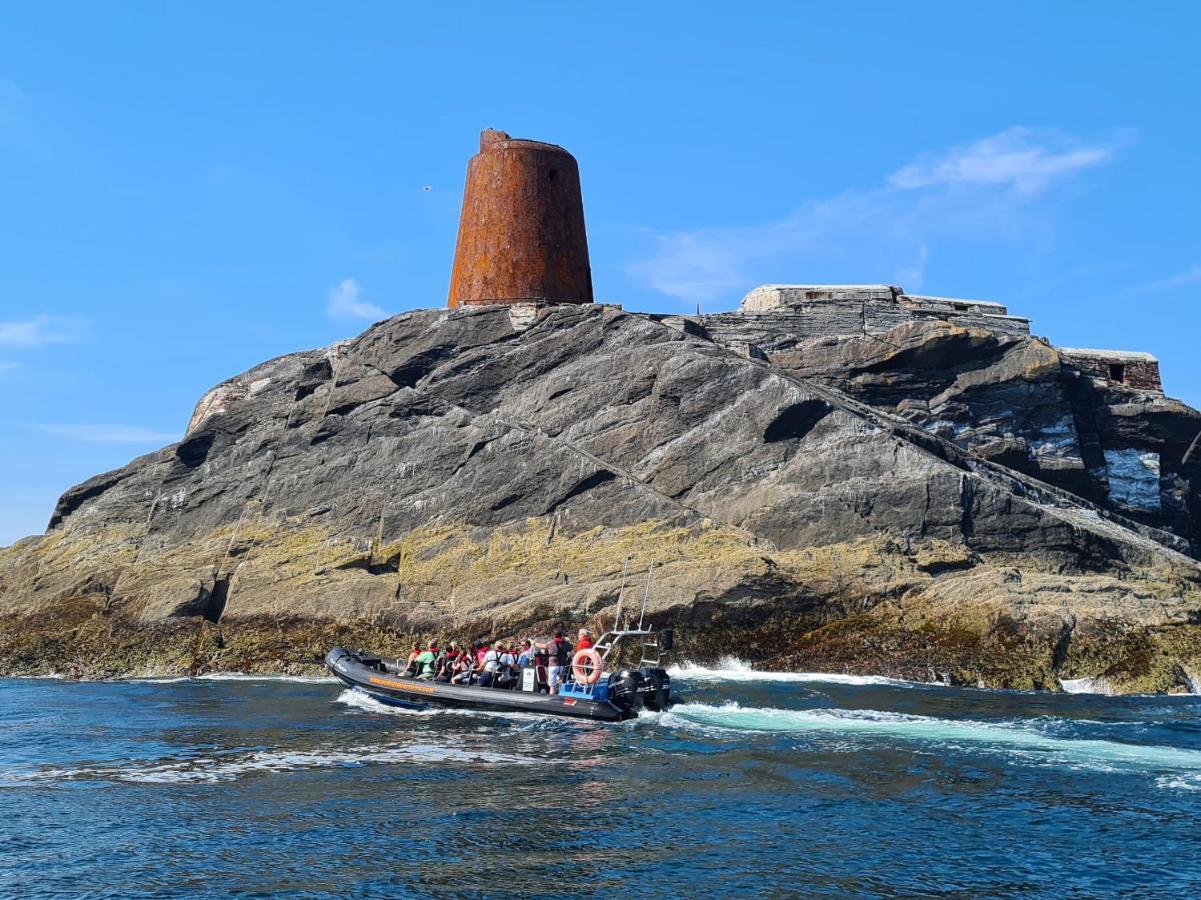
x: 1179, y: 782
x: 730, y: 668
x: 1086, y: 686
x: 367, y: 703
x: 49, y: 676
x: 1018, y: 738
x: 237, y: 676
x: 1194, y: 682
x: 217, y: 768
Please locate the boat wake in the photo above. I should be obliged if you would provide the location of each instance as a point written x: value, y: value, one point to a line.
x: 1017, y: 738
x: 232, y: 766
x: 366, y: 703
x: 730, y: 668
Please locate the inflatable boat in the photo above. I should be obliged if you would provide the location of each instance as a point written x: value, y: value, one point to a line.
x: 593, y: 694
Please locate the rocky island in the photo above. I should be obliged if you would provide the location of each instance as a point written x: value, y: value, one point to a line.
x: 833, y: 478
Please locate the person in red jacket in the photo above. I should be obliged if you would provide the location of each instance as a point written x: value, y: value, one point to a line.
x: 585, y: 641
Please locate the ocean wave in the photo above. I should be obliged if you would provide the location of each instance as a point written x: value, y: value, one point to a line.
x: 50, y: 676
x: 221, y: 767
x: 730, y: 668
x: 1015, y: 737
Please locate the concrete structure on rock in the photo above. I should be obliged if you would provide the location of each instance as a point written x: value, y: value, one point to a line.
x: 842, y: 309
x: 795, y: 313
x: 1138, y: 371
x: 521, y: 233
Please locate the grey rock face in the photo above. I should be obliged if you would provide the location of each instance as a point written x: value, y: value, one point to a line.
x: 607, y: 418
x: 447, y: 468
x: 972, y: 374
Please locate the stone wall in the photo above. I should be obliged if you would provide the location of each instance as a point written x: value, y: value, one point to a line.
x: 780, y: 317
x: 1139, y: 371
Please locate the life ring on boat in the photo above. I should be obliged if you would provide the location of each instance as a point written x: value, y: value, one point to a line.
x: 586, y: 666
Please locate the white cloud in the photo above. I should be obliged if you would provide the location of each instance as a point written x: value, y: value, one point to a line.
x: 108, y: 433
x: 6, y: 366
x: 41, y: 330
x: 1192, y: 276
x: 1026, y: 161
x: 983, y: 189
x: 345, y: 302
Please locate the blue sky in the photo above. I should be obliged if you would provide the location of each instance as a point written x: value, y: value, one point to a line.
x: 189, y: 189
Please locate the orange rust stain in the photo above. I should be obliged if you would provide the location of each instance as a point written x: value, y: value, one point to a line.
x: 521, y: 232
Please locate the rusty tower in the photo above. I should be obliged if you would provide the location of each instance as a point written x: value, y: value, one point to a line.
x: 521, y: 232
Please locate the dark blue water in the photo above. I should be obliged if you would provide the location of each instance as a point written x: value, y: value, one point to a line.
x: 753, y: 786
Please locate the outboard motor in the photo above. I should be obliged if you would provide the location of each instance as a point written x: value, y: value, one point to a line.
x: 656, y: 694
x: 626, y: 690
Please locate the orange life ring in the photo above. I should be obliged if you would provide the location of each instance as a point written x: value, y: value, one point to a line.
x: 586, y: 666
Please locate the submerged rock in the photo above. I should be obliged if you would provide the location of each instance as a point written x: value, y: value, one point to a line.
x: 932, y: 492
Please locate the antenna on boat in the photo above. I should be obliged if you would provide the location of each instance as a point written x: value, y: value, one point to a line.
x: 621, y: 595
x: 646, y: 593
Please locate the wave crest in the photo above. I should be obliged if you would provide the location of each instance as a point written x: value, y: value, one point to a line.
x: 730, y: 668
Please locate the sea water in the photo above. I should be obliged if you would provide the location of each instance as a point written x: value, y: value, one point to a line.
x: 755, y: 784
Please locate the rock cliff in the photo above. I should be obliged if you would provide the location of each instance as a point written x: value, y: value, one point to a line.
x: 860, y: 481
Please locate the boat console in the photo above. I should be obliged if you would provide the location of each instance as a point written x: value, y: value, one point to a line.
x: 645, y: 685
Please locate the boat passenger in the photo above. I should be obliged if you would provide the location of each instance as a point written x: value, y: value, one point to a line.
x: 446, y: 663
x: 463, y: 669
x: 585, y: 641
x: 541, y: 664
x: 411, y: 662
x: 507, y: 671
x: 427, y: 662
x: 559, y: 657
x: 490, y: 665
x: 525, y: 658
x: 500, y: 675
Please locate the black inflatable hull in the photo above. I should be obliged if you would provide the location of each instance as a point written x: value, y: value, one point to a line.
x: 367, y: 674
